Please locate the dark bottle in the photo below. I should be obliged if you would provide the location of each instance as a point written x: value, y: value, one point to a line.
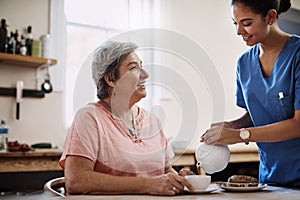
x: 3, y: 36
x: 29, y: 40
x: 18, y: 42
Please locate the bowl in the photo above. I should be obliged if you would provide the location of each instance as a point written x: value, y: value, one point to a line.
x: 199, y: 182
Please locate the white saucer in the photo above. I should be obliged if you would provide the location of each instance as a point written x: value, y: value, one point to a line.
x: 209, y: 189
x: 244, y: 188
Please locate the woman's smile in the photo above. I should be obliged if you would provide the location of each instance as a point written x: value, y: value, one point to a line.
x: 246, y: 38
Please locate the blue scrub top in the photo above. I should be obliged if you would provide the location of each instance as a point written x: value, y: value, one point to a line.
x: 269, y: 100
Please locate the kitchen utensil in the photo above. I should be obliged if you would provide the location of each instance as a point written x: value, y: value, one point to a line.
x: 19, y: 95
x: 47, y: 86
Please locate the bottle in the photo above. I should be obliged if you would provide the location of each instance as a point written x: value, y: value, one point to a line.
x: 29, y: 40
x: 36, y: 48
x: 12, y: 44
x: 3, y: 36
x: 18, y: 42
x: 23, y: 48
x: 46, y: 42
x: 3, y: 136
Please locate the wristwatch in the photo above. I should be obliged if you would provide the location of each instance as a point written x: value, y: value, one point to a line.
x: 245, y: 135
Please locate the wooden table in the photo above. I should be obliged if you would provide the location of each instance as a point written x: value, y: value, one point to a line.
x: 31, y: 161
x: 268, y: 193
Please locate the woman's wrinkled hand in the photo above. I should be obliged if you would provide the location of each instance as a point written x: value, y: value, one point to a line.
x: 168, y: 184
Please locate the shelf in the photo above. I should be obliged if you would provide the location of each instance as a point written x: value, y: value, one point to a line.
x: 25, y: 61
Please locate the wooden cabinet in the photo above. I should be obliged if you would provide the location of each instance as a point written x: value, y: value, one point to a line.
x: 31, y: 161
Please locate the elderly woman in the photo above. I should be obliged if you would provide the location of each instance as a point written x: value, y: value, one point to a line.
x: 114, y: 146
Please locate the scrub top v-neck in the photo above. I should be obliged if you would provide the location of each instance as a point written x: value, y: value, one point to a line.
x: 269, y: 100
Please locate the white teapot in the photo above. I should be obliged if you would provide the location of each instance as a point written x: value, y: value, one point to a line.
x: 212, y: 158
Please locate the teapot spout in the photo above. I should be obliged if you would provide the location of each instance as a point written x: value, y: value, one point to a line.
x: 200, y: 170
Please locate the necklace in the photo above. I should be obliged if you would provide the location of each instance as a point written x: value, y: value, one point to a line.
x: 131, y: 131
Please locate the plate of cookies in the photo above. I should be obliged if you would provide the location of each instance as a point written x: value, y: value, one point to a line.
x: 241, y: 183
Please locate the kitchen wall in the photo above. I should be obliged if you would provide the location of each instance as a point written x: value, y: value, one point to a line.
x: 295, y: 4
x: 207, y: 23
x: 41, y: 119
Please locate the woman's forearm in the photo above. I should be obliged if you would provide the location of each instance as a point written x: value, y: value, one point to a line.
x: 82, y: 179
x: 91, y: 182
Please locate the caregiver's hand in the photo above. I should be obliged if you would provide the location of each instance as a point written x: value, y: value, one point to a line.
x: 219, y: 135
x: 222, y: 124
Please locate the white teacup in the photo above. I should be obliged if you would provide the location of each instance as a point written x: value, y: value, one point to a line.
x: 199, y: 182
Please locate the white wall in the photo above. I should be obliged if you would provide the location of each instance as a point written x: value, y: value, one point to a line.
x: 42, y: 119
x: 209, y: 24
x: 295, y: 4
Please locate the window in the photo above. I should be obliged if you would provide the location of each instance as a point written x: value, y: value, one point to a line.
x: 91, y: 22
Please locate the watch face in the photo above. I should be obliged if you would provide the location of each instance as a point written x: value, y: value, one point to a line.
x: 244, y: 134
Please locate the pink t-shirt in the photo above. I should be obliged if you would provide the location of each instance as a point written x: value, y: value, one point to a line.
x: 98, y: 135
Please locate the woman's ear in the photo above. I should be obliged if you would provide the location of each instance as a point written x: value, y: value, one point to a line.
x: 109, y: 81
x: 271, y: 16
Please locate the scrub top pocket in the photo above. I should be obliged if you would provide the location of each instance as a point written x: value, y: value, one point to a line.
x: 283, y: 107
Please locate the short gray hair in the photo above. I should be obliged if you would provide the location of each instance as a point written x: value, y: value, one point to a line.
x: 106, y: 61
